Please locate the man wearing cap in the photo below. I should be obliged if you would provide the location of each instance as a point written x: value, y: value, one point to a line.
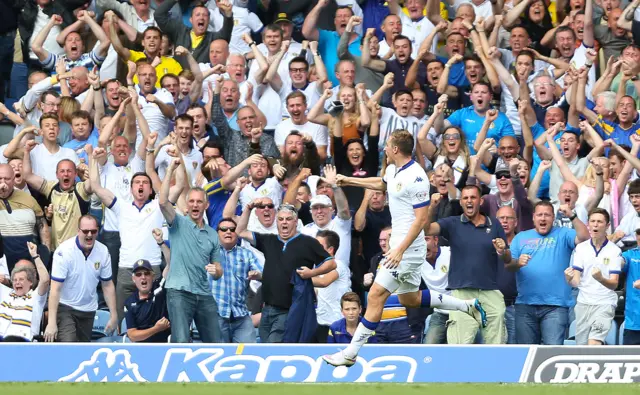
x: 295, y: 48
x: 324, y: 219
x: 286, y: 254
x: 146, y: 309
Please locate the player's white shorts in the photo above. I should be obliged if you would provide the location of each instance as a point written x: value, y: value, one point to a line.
x: 407, y: 276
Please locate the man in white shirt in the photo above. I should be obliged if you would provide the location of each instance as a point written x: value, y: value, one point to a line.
x: 192, y: 157
x: 244, y: 21
x: 157, y: 105
x: 595, y: 271
x: 435, y: 273
x: 391, y: 27
x: 323, y: 216
x: 330, y: 287
x: 297, y: 107
x: 136, y: 221
x: 625, y: 232
x: 415, y: 26
x: 79, y: 264
x: 261, y: 184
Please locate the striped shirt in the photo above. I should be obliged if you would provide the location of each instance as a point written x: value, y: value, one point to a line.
x: 230, y: 291
x: 87, y: 60
x: 18, y: 214
x: 20, y: 316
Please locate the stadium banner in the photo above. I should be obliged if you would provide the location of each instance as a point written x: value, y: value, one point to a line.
x: 113, y: 362
x: 564, y: 365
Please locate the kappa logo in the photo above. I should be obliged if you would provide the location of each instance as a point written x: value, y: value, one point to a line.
x: 419, y: 179
x: 589, y: 369
x: 106, y: 365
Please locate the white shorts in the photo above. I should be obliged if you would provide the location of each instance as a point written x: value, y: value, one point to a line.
x: 407, y: 276
x: 593, y: 322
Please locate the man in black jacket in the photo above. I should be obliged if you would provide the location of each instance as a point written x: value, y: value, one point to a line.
x: 181, y: 35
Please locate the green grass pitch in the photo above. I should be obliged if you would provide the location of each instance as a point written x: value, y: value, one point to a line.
x: 313, y: 389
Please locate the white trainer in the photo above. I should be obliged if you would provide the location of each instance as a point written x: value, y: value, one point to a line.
x: 339, y: 359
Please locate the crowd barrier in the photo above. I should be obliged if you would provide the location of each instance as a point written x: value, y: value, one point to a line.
x: 303, y: 363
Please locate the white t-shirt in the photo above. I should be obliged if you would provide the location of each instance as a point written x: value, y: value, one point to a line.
x: 390, y: 121
x: 50, y: 43
x: 244, y: 21
x: 310, y: 92
x: 407, y: 189
x: 328, y: 310
x: 578, y: 60
x: 608, y: 260
x: 270, y: 188
x: 319, y: 133
x: 193, y: 162
x: 80, y: 275
x: 342, y: 227
x: 628, y: 225
x: 3, y: 159
x: 483, y: 10
x: 437, y: 276
x: 417, y: 32
x: 384, y: 49
x: 137, y: 241
x: 44, y: 163
x: 151, y: 112
x: 117, y: 179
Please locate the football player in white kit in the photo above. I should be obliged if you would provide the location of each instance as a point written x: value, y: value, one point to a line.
x: 408, y: 187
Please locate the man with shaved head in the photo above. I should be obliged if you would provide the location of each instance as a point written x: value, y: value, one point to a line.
x: 20, y: 218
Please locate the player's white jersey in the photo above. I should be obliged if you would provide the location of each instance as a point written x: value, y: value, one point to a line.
x: 408, y: 189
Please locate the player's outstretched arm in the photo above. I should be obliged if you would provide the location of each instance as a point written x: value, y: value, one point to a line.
x: 375, y: 183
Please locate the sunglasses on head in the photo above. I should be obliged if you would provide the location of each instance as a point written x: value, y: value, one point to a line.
x: 455, y: 136
x: 269, y: 205
x: 142, y: 273
x: 224, y: 229
x: 89, y: 231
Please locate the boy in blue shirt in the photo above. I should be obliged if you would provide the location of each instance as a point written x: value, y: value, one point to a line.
x: 342, y: 330
x: 83, y: 133
x: 631, y: 267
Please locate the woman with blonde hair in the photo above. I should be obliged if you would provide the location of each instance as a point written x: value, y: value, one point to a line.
x: 355, y: 116
x: 68, y: 105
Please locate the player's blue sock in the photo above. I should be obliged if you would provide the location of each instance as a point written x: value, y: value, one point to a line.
x: 426, y: 298
x: 369, y: 325
x: 365, y: 330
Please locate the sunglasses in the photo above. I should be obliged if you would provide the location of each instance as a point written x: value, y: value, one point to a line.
x: 503, y: 175
x: 224, y: 229
x: 142, y: 273
x: 270, y: 205
x: 455, y: 136
x: 89, y: 231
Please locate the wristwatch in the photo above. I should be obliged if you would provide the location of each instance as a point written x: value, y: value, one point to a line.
x: 635, y: 78
x: 573, y: 215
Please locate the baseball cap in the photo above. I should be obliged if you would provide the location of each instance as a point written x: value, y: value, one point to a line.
x: 282, y: 17
x: 321, y: 200
x: 142, y: 264
x: 502, y: 167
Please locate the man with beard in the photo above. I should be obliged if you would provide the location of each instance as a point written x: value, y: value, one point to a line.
x: 195, y: 255
x: 231, y: 292
x: 157, y: 105
x: 135, y: 222
x: 20, y: 218
x: 74, y: 54
x: 470, y: 119
x: 79, y: 264
x: 300, y: 151
x: 196, y: 39
x: 328, y: 40
x: 539, y: 258
x: 237, y: 143
x: 186, y: 150
x: 369, y: 77
x: 303, y: 256
x: 511, y: 193
x: 297, y: 108
x: 67, y: 200
x: 324, y: 218
x: 146, y: 309
x: 152, y: 37
x: 261, y: 185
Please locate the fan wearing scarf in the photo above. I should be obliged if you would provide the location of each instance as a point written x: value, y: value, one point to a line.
x: 21, y: 307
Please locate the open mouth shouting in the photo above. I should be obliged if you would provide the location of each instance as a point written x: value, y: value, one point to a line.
x: 355, y: 159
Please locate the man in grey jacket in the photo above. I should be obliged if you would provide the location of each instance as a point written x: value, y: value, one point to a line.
x: 197, y: 39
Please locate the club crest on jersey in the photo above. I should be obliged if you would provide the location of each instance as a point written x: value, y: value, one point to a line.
x: 264, y: 192
x: 606, y: 261
x: 444, y: 269
x: 194, y: 164
x: 399, y: 187
x: 488, y: 230
x: 96, y: 265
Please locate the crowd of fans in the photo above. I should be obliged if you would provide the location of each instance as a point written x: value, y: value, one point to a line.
x: 182, y: 165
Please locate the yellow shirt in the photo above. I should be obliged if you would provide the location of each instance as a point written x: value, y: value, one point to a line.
x: 68, y: 207
x: 166, y: 66
x: 195, y: 40
x: 443, y: 11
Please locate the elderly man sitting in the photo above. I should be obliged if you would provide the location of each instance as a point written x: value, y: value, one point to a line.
x: 21, y: 307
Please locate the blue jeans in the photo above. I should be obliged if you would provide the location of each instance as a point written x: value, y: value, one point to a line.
x: 237, y: 330
x: 541, y: 324
x: 510, y: 322
x: 6, y: 61
x: 437, y: 331
x: 185, y: 307
x: 272, y: 324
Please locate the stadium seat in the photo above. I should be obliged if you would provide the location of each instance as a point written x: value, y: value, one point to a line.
x: 110, y: 339
x: 571, y: 339
x: 123, y: 327
x: 99, y: 323
x: 611, y: 338
x: 621, y: 335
